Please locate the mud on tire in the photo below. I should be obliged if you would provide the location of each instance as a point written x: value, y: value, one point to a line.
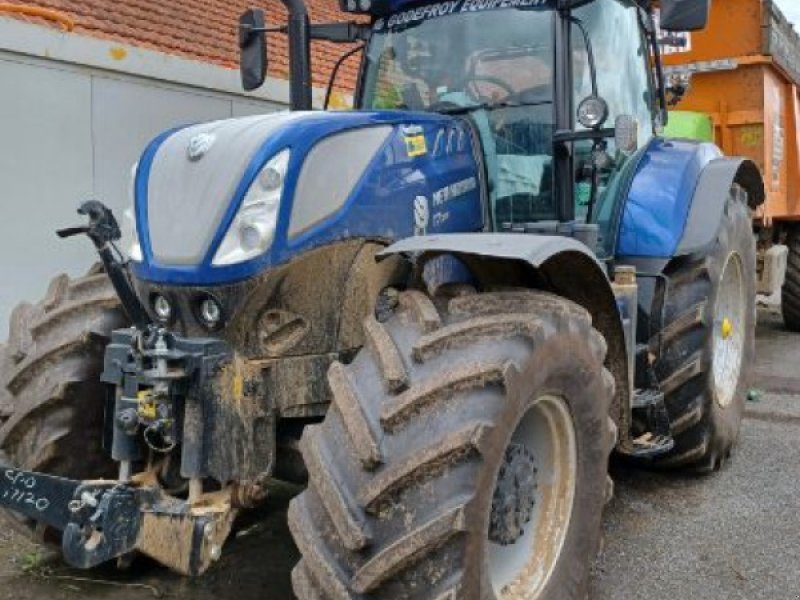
x: 790, y: 295
x: 403, y: 471
x: 51, y: 398
x: 704, y: 427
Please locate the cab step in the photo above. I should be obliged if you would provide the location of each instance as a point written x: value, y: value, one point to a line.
x: 649, y: 407
x: 650, y: 445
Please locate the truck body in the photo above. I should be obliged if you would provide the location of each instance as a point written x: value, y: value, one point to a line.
x: 744, y: 74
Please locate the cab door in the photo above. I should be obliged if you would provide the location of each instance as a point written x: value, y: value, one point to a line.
x: 625, y: 82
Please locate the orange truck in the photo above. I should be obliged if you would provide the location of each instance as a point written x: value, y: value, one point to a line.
x: 736, y: 84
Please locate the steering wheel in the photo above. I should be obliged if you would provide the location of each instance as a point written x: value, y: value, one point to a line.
x: 444, y: 106
x: 537, y: 94
x: 469, y: 88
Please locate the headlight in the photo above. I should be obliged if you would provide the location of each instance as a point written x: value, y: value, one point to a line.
x: 592, y: 112
x: 162, y: 307
x: 253, y: 227
x: 129, y: 230
x: 210, y: 312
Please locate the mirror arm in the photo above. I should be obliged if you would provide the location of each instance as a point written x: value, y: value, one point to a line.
x: 566, y: 136
x: 660, y: 80
x: 341, y: 33
x: 262, y: 30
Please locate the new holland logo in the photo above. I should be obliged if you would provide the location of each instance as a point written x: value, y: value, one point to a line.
x: 199, y: 146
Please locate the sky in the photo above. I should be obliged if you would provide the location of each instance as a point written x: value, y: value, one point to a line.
x: 791, y: 8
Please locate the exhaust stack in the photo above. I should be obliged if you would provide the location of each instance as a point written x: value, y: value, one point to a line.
x: 299, y: 55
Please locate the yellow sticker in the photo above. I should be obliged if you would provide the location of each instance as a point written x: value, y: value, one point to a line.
x: 238, y: 387
x: 415, y: 145
x: 146, y: 406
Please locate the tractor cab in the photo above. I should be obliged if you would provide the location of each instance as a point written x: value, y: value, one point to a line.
x: 560, y: 94
x: 496, y: 64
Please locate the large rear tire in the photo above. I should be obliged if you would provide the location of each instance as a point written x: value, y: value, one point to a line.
x: 790, y: 295
x: 464, y: 456
x: 51, y: 399
x: 707, y: 343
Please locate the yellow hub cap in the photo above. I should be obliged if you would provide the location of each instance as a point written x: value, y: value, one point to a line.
x: 727, y: 328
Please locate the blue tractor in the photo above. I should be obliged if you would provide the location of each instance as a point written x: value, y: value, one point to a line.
x: 442, y: 310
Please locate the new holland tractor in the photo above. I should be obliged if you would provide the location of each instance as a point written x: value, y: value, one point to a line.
x: 442, y: 311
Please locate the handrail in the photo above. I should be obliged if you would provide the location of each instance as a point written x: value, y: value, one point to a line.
x: 66, y: 22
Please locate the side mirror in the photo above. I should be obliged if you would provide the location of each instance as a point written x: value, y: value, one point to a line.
x: 626, y: 134
x: 684, y: 15
x: 253, y: 49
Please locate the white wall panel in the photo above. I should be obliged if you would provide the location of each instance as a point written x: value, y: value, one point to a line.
x: 45, y: 165
x: 69, y: 133
x: 247, y: 108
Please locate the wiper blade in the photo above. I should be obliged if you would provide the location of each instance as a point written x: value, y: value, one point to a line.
x: 488, y: 106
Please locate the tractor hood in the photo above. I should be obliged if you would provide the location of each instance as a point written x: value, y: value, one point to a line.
x: 219, y: 202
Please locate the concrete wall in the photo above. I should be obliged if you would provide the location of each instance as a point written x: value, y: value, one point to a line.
x: 75, y: 113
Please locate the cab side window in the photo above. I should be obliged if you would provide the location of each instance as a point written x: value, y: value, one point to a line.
x: 623, y: 81
x: 622, y: 59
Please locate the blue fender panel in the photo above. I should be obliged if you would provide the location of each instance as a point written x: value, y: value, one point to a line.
x: 655, y: 212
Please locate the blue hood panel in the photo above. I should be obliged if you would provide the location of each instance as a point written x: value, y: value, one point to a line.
x: 426, y: 166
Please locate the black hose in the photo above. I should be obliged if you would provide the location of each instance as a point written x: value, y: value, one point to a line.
x: 335, y: 72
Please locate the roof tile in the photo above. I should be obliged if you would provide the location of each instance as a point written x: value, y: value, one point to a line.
x: 203, y: 30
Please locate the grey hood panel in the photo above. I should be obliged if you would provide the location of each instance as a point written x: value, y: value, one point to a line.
x: 187, y: 198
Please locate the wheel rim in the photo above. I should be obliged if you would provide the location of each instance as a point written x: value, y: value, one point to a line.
x: 521, y: 562
x: 730, y: 315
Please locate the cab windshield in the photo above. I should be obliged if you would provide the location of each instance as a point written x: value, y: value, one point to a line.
x: 491, y: 60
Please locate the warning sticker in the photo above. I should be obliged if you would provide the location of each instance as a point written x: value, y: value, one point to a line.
x: 415, y: 145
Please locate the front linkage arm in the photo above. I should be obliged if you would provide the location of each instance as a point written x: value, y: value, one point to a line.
x: 104, y: 230
x: 102, y: 520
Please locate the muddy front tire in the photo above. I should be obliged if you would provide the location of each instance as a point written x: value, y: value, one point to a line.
x: 51, y: 399
x: 464, y: 456
x: 707, y: 345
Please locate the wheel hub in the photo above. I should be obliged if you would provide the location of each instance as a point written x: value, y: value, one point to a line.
x: 514, y: 497
x: 532, y: 500
x: 729, y: 331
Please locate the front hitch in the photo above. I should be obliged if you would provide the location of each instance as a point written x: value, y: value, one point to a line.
x: 103, y: 520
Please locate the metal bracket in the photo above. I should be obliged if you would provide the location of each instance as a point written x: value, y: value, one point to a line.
x: 103, y: 520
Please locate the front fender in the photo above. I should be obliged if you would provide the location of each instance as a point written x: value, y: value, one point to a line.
x: 534, y: 250
x: 561, y: 265
x: 677, y: 196
x: 655, y: 211
x: 710, y: 197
